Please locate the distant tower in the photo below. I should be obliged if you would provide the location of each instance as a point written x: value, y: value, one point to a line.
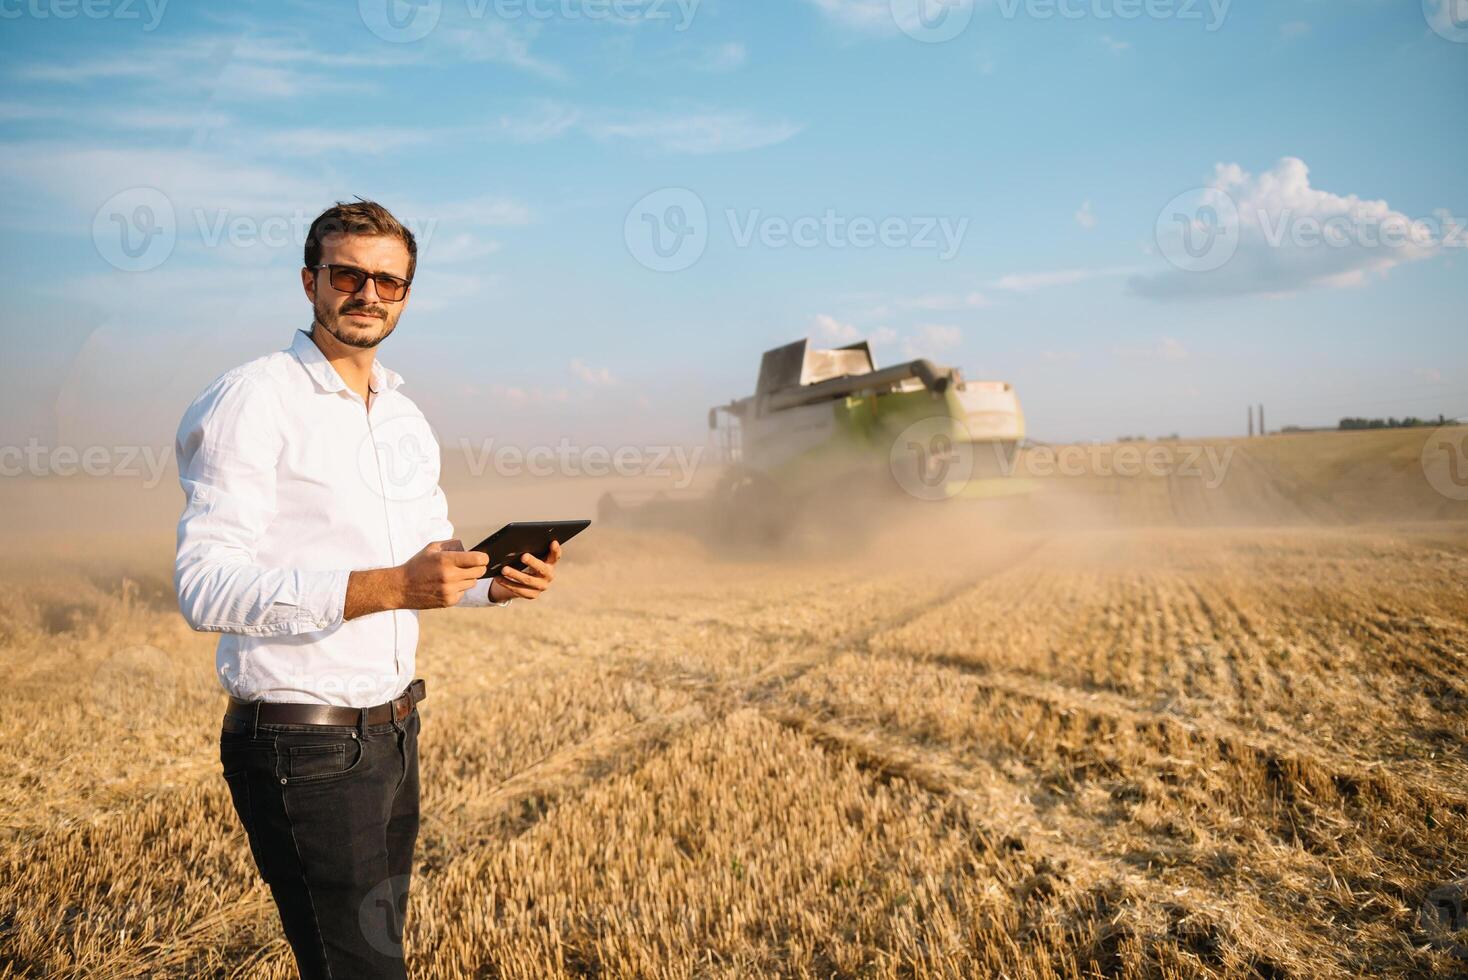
x: 1251, y: 421
x: 1262, y: 431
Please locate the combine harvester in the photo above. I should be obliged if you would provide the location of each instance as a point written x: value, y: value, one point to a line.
x: 826, y: 433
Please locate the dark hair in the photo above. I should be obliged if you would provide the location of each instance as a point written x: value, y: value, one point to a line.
x: 361, y: 217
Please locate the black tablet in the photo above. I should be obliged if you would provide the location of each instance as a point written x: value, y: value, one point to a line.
x: 505, y: 546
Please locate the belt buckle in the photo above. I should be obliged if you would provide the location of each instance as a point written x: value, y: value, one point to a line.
x: 402, y: 707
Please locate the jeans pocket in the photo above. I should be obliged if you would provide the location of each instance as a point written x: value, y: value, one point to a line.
x: 239, y: 794
x: 310, y: 758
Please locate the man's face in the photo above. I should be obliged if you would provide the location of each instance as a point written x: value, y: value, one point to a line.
x: 360, y: 319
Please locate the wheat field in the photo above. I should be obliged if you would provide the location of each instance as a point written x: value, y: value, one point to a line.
x: 1129, y: 727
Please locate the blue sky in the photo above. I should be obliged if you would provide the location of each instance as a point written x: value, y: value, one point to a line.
x: 1027, y: 172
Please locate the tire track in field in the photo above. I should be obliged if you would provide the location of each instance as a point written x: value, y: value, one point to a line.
x: 1066, y: 844
x: 520, y: 801
x: 1165, y: 729
x: 1353, y: 841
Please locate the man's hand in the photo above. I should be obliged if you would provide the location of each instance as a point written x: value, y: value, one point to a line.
x: 440, y: 574
x: 512, y: 583
x: 436, y: 577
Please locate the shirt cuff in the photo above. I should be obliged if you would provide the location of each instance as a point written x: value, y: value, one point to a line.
x: 478, y: 594
x: 329, y: 597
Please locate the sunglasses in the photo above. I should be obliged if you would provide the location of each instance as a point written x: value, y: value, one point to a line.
x: 349, y: 279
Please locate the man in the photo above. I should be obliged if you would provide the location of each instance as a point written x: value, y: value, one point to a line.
x: 313, y: 531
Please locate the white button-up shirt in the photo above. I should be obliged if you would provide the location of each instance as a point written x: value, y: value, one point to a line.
x: 290, y: 483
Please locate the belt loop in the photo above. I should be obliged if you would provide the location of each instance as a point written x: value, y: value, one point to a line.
x: 255, y: 720
x: 362, y: 722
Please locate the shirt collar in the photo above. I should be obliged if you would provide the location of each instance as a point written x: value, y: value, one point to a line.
x: 326, y: 376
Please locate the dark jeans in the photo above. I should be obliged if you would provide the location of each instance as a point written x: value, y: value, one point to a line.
x: 332, y: 816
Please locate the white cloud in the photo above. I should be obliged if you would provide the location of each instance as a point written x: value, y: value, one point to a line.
x: 699, y: 132
x: 1278, y: 235
x: 930, y: 302
x: 1168, y: 349
x: 730, y: 56
x: 461, y: 247
x: 830, y: 329
x: 249, y: 82
x: 881, y: 16
x: 515, y: 396
x: 163, y: 119
x: 932, y: 338
x: 539, y: 122
x: 27, y: 111
x: 924, y: 340
x: 1085, y: 217
x: 1029, y: 282
x: 486, y: 209
x: 359, y: 142
x: 84, y: 177
x: 1171, y: 349
x: 594, y: 376
x: 215, y: 66
x: 1114, y: 45
x: 79, y: 72
x: 859, y: 14
x: 498, y: 42
x: 946, y: 301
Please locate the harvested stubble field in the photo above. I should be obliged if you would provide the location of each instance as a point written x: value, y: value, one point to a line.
x: 1134, y: 728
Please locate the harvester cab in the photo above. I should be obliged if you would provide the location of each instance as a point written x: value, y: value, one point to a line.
x: 826, y: 430
x: 828, y: 424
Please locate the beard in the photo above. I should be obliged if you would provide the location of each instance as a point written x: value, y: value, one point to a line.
x: 352, y: 334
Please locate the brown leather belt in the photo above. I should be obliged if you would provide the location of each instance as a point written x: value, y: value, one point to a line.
x: 293, y: 713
